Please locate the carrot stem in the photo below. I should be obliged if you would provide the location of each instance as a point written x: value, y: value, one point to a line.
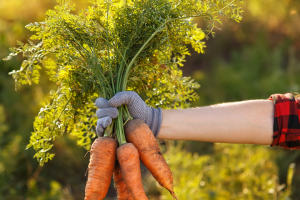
x: 108, y: 51
x: 109, y: 130
x: 119, y: 127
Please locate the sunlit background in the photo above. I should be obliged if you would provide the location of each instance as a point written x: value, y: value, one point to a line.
x: 249, y: 60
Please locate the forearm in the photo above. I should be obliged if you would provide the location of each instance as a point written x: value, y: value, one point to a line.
x: 249, y: 122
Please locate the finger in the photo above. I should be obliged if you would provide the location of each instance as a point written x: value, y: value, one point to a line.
x: 100, y: 131
x: 104, y: 112
x: 102, y: 103
x: 104, y: 122
x: 122, y: 98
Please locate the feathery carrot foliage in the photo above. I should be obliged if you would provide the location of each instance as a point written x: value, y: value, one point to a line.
x: 109, y: 47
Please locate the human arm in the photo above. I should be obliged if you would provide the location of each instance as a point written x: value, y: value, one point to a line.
x: 249, y: 122
x: 239, y: 122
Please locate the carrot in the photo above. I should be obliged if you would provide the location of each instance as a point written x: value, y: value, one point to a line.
x: 123, y: 193
x: 128, y: 157
x: 139, y: 134
x: 101, y: 167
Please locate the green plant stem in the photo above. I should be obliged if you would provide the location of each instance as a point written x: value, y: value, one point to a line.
x: 119, y: 127
x: 127, y: 113
x: 109, y: 130
x: 120, y: 77
x: 108, y: 52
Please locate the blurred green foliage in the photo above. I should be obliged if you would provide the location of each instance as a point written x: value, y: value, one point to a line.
x: 9, y: 185
x: 20, y: 176
x: 231, y: 172
x: 254, y: 72
x: 250, y: 60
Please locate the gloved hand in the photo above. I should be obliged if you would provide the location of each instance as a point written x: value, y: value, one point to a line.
x: 136, y: 107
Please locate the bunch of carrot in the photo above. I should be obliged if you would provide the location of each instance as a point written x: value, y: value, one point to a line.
x: 123, y: 164
x: 110, y: 47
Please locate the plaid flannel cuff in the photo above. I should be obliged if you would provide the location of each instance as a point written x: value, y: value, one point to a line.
x: 286, y: 126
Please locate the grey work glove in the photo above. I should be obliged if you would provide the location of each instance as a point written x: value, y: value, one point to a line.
x: 136, y: 107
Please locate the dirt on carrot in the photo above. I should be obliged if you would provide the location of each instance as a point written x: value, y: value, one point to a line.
x: 139, y: 134
x: 128, y: 157
x: 123, y: 193
x: 101, y: 167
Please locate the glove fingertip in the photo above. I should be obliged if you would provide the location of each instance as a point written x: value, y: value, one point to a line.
x: 101, y: 102
x: 106, y: 121
x: 99, y: 131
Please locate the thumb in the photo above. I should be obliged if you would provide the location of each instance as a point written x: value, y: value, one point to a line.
x: 121, y: 98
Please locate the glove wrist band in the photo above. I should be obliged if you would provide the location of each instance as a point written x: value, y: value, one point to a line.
x: 155, y: 117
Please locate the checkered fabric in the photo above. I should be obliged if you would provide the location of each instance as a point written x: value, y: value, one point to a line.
x: 286, y: 126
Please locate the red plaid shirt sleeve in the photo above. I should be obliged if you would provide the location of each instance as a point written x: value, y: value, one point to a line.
x: 286, y: 126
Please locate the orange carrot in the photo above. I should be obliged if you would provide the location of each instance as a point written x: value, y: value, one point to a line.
x: 123, y: 193
x: 101, y: 167
x: 128, y: 157
x: 139, y: 134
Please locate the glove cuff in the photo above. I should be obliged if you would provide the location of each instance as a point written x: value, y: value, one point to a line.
x: 155, y: 121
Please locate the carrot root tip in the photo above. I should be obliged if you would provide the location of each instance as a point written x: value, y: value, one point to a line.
x: 173, y: 194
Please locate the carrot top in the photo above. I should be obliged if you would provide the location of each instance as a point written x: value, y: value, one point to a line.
x: 109, y: 47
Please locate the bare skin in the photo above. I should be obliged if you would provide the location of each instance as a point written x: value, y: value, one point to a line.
x: 245, y: 122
